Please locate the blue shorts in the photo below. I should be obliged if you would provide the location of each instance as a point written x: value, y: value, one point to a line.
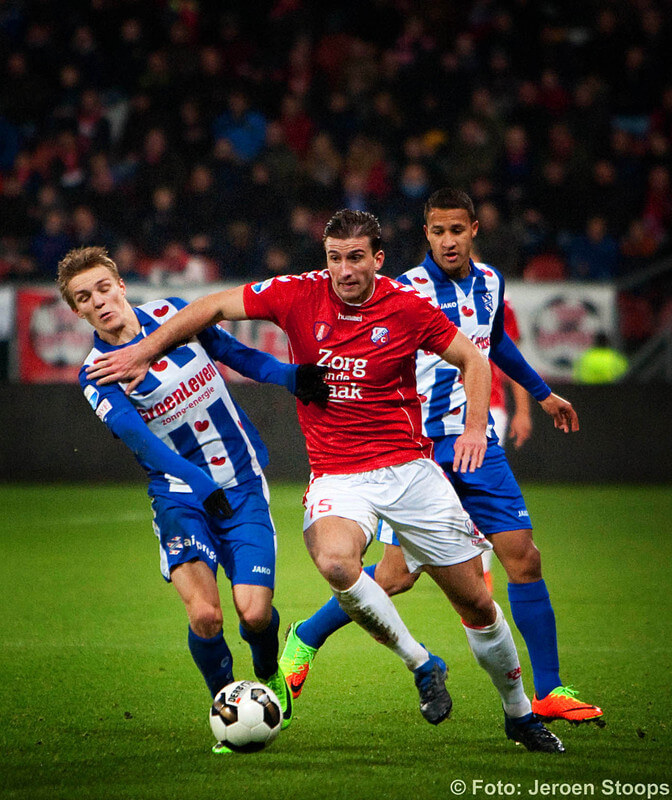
x: 244, y: 546
x: 490, y: 495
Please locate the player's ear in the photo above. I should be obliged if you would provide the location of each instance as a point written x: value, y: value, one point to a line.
x: 122, y: 286
x: 474, y: 228
x: 379, y: 258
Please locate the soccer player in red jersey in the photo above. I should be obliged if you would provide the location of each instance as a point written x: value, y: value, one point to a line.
x: 368, y: 455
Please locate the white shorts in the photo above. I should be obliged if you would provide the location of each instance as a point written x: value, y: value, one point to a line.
x: 415, y: 498
x: 501, y: 420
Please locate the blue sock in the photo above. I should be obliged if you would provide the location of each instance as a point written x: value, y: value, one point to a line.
x: 213, y: 658
x: 264, y: 647
x: 534, y: 617
x: 326, y: 620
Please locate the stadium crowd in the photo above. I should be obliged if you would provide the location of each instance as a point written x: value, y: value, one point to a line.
x: 204, y: 141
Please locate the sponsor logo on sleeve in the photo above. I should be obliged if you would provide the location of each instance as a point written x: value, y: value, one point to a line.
x: 103, y: 409
x: 92, y: 395
x: 258, y: 288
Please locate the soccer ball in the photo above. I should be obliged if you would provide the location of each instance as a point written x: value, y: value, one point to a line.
x: 246, y: 716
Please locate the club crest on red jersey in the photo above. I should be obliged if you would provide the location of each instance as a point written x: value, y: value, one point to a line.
x: 321, y: 331
x: 380, y: 336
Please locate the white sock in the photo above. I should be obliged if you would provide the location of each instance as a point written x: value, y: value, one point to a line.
x: 367, y: 604
x: 495, y: 651
x: 486, y: 558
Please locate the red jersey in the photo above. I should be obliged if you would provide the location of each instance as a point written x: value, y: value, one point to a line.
x: 373, y: 416
x: 497, y: 396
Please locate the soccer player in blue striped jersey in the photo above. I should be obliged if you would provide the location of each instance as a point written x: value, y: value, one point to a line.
x: 472, y: 296
x: 204, y: 461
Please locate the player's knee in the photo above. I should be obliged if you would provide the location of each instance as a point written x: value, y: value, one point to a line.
x: 526, y: 568
x: 339, y: 572
x: 480, y: 612
x: 255, y: 618
x: 396, y: 582
x: 205, y: 620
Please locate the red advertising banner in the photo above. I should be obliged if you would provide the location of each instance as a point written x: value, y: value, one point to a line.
x: 52, y: 341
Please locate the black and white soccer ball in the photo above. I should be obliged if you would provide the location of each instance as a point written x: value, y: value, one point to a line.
x: 246, y: 716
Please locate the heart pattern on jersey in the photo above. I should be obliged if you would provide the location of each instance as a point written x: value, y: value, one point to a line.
x: 201, y: 425
x: 161, y: 312
x: 159, y: 366
x: 468, y: 312
x: 421, y: 280
x: 218, y: 460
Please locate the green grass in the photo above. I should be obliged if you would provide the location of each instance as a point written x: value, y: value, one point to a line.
x: 100, y: 699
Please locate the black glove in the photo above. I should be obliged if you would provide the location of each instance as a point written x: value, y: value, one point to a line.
x: 217, y: 505
x: 310, y: 385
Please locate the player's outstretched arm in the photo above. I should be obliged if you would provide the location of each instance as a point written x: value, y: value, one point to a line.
x: 470, y: 447
x: 564, y: 416
x: 130, y: 364
x: 520, y: 425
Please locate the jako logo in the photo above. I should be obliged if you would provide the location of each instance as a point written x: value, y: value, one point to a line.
x: 263, y: 570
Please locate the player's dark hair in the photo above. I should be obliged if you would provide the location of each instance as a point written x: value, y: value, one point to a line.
x: 349, y: 224
x: 450, y: 198
x: 78, y: 260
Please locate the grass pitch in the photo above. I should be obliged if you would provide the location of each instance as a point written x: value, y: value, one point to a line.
x: 100, y: 700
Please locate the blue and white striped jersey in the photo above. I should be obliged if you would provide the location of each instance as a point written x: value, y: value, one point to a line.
x: 184, y: 401
x: 476, y: 306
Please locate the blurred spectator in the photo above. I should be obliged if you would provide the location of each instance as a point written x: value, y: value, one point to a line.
x: 14, y: 210
x: 514, y: 169
x: 276, y: 261
x: 126, y: 257
x: 68, y: 164
x: 496, y: 243
x: 638, y: 246
x: 87, y: 230
x: 474, y: 152
x: 594, y: 255
x: 103, y: 194
x: 192, y: 134
x: 201, y: 206
x: 15, y: 265
x: 93, y: 127
x: 163, y: 224
x: 657, y: 210
x: 51, y: 243
x: 243, y: 127
x: 10, y: 141
x: 242, y: 256
x: 177, y: 267
x: 322, y: 170
x: 297, y: 126
x: 159, y: 166
x: 305, y: 248
x: 282, y: 163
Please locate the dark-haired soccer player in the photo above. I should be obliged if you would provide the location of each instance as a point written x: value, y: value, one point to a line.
x: 368, y: 455
x: 204, y: 461
x: 472, y: 296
